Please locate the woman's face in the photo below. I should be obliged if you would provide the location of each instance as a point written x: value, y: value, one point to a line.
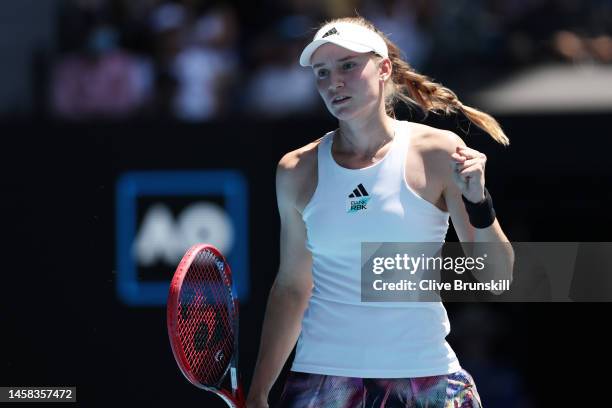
x: 349, y: 82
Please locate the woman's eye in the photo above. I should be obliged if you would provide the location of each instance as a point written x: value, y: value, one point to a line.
x: 348, y: 65
x: 322, y: 73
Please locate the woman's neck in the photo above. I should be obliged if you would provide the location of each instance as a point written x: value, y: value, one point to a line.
x: 364, y: 137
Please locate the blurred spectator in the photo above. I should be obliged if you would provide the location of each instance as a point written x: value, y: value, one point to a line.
x: 337, y: 8
x: 318, y: 10
x: 467, y: 43
x: 574, y: 47
x: 103, y: 80
x: 573, y: 30
x: 402, y: 21
x: 196, y: 58
x: 279, y: 86
x: 182, y: 58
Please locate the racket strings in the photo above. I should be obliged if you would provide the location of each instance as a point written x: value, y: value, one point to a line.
x: 206, y: 310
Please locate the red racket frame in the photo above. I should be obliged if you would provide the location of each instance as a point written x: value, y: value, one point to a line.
x: 234, y: 398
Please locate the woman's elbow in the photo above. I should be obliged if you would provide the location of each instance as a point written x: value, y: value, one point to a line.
x: 298, y: 292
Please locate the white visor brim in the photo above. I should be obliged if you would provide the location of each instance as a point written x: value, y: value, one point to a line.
x: 313, y: 46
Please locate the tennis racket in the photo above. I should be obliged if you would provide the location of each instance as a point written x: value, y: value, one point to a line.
x: 202, y: 317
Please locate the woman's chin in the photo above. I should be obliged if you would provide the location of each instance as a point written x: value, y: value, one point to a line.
x: 343, y: 113
x: 351, y: 111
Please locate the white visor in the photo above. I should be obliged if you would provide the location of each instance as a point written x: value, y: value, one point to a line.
x: 351, y: 36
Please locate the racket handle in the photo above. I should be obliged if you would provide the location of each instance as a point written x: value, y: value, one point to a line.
x: 232, y: 401
x: 236, y: 388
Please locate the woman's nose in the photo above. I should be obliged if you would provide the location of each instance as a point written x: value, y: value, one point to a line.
x: 336, y: 82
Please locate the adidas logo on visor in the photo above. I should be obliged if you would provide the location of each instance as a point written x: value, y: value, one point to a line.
x: 330, y: 32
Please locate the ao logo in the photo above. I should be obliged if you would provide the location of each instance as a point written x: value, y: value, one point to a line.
x: 161, y: 237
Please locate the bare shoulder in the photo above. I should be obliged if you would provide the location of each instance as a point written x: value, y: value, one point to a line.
x: 296, y: 175
x: 433, y: 148
x: 431, y: 140
x: 298, y: 163
x: 296, y: 159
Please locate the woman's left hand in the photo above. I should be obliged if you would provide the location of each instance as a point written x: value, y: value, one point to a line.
x: 468, y: 173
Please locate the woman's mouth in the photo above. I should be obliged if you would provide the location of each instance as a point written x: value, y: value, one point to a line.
x: 338, y: 100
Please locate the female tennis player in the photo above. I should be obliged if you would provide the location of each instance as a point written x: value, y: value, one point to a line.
x: 373, y: 179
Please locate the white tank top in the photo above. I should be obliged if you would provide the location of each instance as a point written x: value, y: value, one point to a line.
x: 340, y: 334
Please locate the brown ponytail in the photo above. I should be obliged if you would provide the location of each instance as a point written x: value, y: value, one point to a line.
x: 413, y: 88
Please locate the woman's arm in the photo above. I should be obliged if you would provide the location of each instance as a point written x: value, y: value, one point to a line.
x: 290, y: 292
x: 465, y: 175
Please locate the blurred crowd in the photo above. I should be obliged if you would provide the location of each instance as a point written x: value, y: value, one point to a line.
x: 200, y: 60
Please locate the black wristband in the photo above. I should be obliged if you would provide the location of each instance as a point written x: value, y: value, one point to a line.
x: 481, y: 214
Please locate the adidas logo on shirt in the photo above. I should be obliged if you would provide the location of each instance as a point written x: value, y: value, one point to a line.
x: 358, y: 200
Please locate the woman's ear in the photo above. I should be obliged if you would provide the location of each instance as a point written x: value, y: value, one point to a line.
x: 385, y: 69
